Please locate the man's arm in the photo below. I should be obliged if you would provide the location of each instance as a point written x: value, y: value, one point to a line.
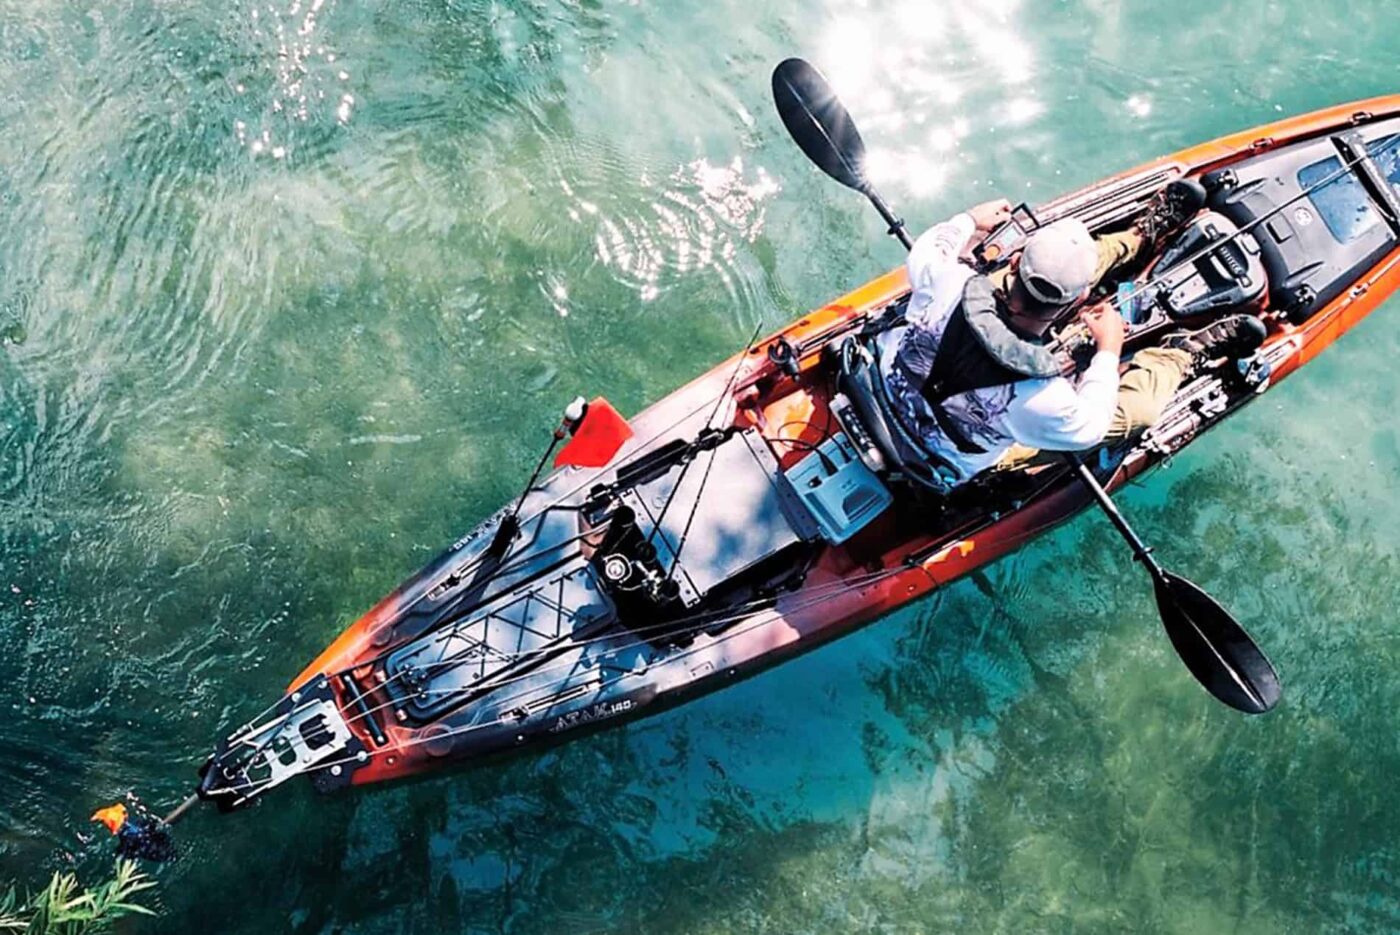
x: 936, y: 252
x: 1063, y: 417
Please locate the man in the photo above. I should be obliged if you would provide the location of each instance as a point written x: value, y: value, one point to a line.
x: 971, y: 373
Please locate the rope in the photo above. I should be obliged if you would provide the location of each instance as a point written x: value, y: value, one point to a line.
x: 685, y: 468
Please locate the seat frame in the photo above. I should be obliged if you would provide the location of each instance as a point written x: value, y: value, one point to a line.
x: 859, y: 382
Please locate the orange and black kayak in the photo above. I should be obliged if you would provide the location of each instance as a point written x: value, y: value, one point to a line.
x: 757, y: 513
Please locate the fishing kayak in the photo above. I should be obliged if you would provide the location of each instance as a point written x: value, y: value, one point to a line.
x: 773, y: 504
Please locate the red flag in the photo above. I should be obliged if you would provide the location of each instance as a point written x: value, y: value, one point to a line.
x: 597, y: 437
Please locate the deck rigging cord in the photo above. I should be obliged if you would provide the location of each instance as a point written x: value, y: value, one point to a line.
x: 726, y: 394
x: 696, y: 623
x: 702, y: 621
x: 496, y: 552
x: 510, y: 714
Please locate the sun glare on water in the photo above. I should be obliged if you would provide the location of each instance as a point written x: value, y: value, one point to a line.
x: 296, y: 76
x: 913, y: 97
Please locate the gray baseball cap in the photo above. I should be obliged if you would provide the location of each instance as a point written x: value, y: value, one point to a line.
x: 1058, y: 262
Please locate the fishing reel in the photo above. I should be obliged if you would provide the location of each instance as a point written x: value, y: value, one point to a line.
x: 639, y: 572
x: 628, y: 561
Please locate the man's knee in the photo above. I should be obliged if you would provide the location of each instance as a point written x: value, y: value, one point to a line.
x: 1133, y: 415
x: 1152, y: 378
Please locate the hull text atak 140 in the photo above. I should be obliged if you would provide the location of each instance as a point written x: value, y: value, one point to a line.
x: 757, y: 512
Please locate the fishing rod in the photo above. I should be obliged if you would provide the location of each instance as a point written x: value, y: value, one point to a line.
x: 1215, y: 648
x: 510, y: 524
x: 1075, y: 332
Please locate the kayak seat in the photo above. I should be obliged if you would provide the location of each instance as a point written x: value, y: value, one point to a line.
x: 862, y: 400
x: 1197, y: 280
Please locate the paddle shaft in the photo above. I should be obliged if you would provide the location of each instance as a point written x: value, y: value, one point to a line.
x: 1141, y: 550
x: 896, y: 224
x: 180, y: 810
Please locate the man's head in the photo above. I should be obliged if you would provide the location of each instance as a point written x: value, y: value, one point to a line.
x: 1054, y: 271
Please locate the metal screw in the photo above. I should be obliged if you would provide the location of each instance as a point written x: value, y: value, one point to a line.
x: 336, y: 770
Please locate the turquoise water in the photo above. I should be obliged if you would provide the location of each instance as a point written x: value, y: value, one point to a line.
x: 292, y: 292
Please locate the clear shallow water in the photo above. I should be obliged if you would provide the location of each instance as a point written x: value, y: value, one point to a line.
x: 292, y: 291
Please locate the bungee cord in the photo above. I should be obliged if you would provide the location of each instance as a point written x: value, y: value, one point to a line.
x: 512, y: 561
x: 828, y: 590
x: 256, y: 787
x: 691, y: 624
x: 697, y: 623
x: 643, y: 448
x: 728, y: 391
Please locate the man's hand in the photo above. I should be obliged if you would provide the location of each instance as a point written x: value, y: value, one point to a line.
x: 1106, y: 326
x: 990, y: 215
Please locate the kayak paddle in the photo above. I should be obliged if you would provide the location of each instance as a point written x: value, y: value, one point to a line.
x: 823, y: 129
x: 1215, y: 648
x: 1213, y: 645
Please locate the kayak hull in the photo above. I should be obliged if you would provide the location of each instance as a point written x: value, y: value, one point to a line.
x: 579, y: 677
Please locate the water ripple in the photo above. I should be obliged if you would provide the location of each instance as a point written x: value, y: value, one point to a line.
x: 699, y: 217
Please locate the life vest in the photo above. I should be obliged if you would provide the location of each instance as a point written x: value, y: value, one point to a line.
x: 977, y: 349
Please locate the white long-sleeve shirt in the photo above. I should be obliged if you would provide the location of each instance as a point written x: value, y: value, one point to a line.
x: 1052, y: 413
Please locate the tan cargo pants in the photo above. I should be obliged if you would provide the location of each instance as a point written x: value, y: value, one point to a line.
x: 1115, y: 250
x: 1150, y: 378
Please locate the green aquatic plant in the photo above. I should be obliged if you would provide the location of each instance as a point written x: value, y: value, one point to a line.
x: 66, y: 907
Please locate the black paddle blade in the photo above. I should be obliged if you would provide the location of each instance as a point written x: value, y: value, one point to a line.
x: 819, y: 122
x: 1215, y: 648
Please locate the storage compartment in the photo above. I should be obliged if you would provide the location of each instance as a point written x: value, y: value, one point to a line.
x: 1317, y: 243
x: 838, y: 489
x: 724, y: 514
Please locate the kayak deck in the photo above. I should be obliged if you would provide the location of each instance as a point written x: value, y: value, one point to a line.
x: 737, y: 528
